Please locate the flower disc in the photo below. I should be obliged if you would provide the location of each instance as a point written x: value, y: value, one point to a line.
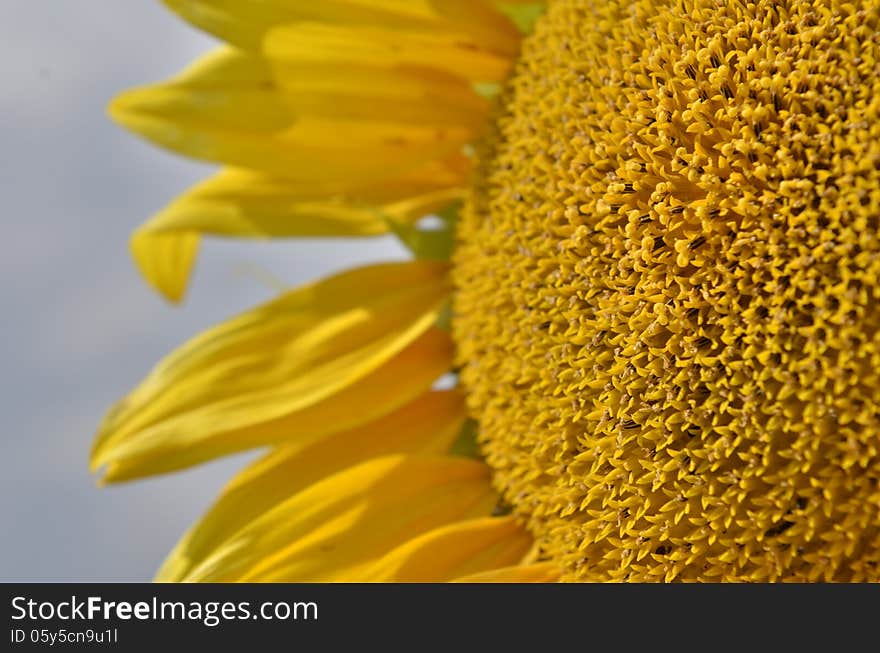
x: 667, y: 290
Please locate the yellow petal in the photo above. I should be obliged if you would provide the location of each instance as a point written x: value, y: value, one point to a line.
x: 484, y: 22
x: 396, y: 382
x: 227, y: 108
x: 379, y: 47
x: 542, y: 572
x: 459, y: 549
x: 166, y: 262
x: 351, y: 90
x: 279, y: 358
x: 248, y: 204
x: 245, y: 22
x: 335, y: 528
x: 427, y: 425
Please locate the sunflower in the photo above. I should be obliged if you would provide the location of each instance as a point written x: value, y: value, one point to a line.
x: 655, y: 282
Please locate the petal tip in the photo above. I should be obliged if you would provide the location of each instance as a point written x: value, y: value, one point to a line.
x: 122, y: 109
x: 165, y: 261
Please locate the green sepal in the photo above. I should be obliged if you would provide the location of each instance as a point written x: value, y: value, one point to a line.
x: 444, y: 319
x: 466, y: 444
x: 430, y: 244
x: 523, y: 15
x: 487, y: 90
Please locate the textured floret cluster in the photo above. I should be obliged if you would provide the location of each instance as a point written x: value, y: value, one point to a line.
x: 668, y: 290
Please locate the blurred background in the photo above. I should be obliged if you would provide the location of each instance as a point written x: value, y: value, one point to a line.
x: 79, y: 327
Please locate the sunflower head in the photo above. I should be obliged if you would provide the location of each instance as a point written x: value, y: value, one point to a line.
x: 664, y: 291
x: 667, y: 285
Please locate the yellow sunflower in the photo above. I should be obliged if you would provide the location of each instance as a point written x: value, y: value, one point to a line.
x: 656, y: 282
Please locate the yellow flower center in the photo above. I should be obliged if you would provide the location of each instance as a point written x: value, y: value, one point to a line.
x: 667, y: 290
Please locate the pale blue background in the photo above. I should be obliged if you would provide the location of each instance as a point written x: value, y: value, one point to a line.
x: 79, y: 328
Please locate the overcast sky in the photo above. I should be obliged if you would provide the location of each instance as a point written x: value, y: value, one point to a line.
x: 79, y: 327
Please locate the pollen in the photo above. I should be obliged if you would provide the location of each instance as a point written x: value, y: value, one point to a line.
x: 667, y: 305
